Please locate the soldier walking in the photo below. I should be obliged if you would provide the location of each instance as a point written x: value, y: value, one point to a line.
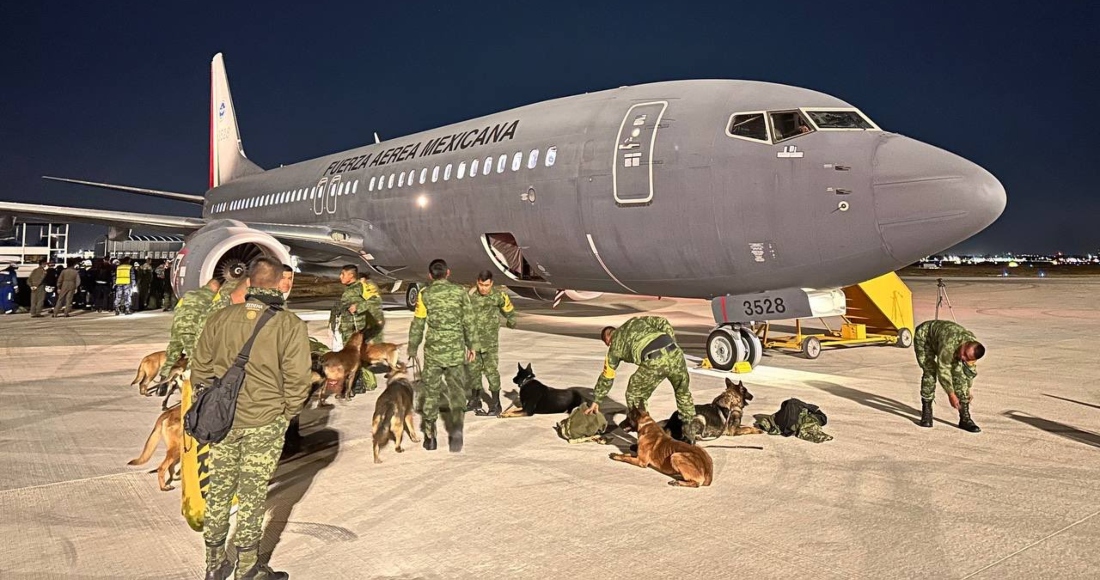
x: 650, y: 343
x: 348, y: 316
x: 187, y: 322
x: 444, y: 308
x: 488, y: 303
x: 37, y: 284
x: 947, y: 353
x: 275, y: 388
x: 67, y: 284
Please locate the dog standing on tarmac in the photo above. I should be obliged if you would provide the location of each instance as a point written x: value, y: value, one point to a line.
x: 393, y: 411
x: 692, y: 465
x: 535, y: 398
x: 386, y: 352
x: 341, y: 367
x: 722, y: 416
x: 147, y: 370
x: 169, y: 427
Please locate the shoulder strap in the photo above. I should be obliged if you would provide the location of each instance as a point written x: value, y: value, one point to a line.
x: 246, y: 350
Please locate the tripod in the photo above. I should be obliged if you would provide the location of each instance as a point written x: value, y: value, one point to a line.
x: 942, y: 297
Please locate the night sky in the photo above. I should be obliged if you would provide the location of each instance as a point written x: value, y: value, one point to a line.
x: 122, y: 94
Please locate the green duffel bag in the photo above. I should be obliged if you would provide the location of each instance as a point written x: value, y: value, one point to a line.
x: 578, y: 427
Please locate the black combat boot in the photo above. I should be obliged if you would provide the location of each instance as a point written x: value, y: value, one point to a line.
x: 249, y: 568
x: 218, y: 567
x: 429, y: 436
x: 473, y: 401
x: 494, y: 405
x: 965, y: 422
x: 925, y: 413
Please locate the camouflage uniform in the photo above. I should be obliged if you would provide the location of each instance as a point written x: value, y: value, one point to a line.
x: 347, y: 323
x: 187, y: 321
x: 224, y: 296
x: 375, y: 318
x: 487, y: 311
x: 444, y: 308
x: 627, y: 344
x: 936, y: 343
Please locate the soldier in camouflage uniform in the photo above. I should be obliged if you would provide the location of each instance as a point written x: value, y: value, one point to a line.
x: 376, y: 319
x: 187, y: 322
x: 451, y: 342
x: 947, y: 353
x: 489, y: 303
x: 650, y: 343
x: 350, y: 314
x: 275, y: 388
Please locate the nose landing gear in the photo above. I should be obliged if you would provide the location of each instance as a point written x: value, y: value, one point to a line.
x: 729, y: 344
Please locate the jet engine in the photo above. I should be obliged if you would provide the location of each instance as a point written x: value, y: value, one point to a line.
x: 548, y: 295
x: 222, y: 250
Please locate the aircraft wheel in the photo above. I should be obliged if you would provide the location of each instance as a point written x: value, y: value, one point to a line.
x: 811, y: 347
x: 905, y: 338
x: 411, y: 293
x: 754, y: 351
x: 724, y: 348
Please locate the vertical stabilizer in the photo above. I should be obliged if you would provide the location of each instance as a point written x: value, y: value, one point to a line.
x: 227, y: 158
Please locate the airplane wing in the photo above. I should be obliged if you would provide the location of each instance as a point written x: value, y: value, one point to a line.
x: 119, y: 219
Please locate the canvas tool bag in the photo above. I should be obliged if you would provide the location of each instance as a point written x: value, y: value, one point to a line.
x: 210, y: 416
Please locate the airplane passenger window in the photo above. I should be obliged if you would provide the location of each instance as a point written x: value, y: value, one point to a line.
x: 501, y: 163
x: 749, y: 126
x: 447, y: 173
x: 551, y: 156
x: 389, y: 183
x: 435, y: 174
x: 401, y: 180
x: 355, y: 186
x: 473, y: 168
x: 462, y: 170
x: 517, y: 161
x: 839, y: 120
x: 789, y: 124
x: 412, y: 176
x: 533, y: 159
x: 487, y: 168
x: 423, y: 175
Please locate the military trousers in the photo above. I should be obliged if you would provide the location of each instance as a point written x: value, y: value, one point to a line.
x: 64, y: 301
x: 929, y: 364
x: 38, y: 300
x: 650, y: 373
x: 486, y: 364
x: 241, y: 465
x: 443, y: 384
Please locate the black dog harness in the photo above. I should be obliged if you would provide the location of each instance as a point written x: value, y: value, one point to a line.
x: 658, y: 346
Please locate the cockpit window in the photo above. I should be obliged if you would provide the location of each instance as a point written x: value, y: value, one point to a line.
x: 749, y: 126
x: 839, y: 120
x: 789, y: 124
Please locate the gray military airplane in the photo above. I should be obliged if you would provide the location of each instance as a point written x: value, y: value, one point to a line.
x: 763, y: 198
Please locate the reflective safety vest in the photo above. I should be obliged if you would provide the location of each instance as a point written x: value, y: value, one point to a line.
x: 122, y: 275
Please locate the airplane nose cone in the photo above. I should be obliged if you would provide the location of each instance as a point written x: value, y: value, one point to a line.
x: 928, y: 199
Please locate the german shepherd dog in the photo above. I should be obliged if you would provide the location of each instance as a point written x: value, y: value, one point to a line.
x: 169, y: 427
x: 690, y: 464
x: 536, y: 398
x: 721, y: 417
x: 340, y: 368
x: 393, y: 411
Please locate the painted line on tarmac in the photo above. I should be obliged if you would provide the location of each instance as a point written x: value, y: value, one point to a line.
x: 1031, y: 545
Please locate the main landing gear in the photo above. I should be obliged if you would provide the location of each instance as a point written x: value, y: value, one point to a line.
x: 731, y: 343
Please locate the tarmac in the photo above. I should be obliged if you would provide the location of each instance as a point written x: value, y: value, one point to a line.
x: 884, y: 499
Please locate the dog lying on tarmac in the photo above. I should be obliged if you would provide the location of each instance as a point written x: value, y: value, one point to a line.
x: 340, y: 368
x: 691, y: 464
x: 722, y: 416
x: 535, y: 398
x: 393, y: 411
x: 169, y: 427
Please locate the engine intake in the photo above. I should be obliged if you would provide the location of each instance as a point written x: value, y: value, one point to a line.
x: 222, y: 250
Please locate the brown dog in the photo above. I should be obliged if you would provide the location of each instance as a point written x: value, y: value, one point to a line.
x: 656, y: 449
x: 341, y: 368
x: 148, y: 369
x: 386, y: 352
x: 169, y: 427
x: 393, y: 411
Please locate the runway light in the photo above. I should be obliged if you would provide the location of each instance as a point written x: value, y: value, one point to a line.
x: 422, y: 201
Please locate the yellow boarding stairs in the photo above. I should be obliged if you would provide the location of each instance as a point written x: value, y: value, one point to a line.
x: 879, y: 311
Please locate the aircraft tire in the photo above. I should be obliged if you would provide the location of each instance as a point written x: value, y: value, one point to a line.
x: 725, y: 348
x: 411, y: 294
x: 754, y: 351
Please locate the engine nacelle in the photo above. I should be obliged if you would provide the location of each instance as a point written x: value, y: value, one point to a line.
x: 222, y: 250
x: 548, y: 295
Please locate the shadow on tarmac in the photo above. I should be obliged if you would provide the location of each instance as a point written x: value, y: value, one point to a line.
x: 1055, y: 428
x: 876, y: 402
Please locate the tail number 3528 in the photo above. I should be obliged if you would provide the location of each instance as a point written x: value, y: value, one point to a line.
x: 764, y: 306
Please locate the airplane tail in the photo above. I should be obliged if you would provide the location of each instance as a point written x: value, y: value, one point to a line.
x: 227, y: 158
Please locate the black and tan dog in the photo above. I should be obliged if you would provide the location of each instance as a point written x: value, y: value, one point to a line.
x: 690, y: 464
x: 535, y: 398
x: 722, y: 416
x: 393, y: 411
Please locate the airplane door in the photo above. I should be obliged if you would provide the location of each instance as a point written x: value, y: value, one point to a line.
x: 333, y: 190
x: 319, y: 196
x: 632, y: 171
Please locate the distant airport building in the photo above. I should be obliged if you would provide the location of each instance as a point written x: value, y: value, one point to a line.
x: 141, y: 247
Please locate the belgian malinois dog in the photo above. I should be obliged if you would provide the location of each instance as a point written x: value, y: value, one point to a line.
x: 689, y: 463
x: 169, y: 427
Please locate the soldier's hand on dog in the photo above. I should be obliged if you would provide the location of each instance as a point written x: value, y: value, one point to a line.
x: 592, y: 409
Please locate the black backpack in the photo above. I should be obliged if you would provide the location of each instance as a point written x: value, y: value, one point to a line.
x: 213, y: 407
